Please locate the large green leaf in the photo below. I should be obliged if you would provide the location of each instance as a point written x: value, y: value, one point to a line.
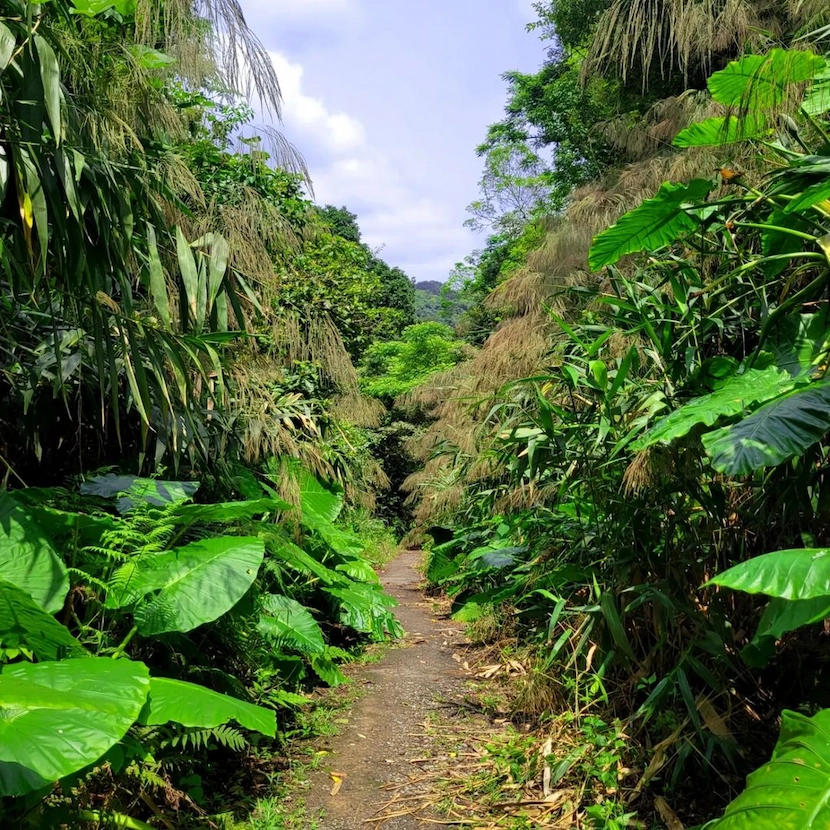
x: 58, y: 717
x: 366, y: 608
x: 802, y: 573
x: 90, y: 8
x: 287, y: 624
x: 655, y: 223
x: 191, y: 585
x: 317, y: 503
x: 192, y: 705
x: 327, y: 670
x: 778, y: 431
x: 761, y: 82
x: 733, y: 397
x: 151, y: 490
x: 82, y: 528
x: 817, y: 100
x: 27, y: 558
x: 228, y: 511
x: 792, y: 791
x: 299, y: 560
x: 720, y: 130
x: 779, y: 617
x: 25, y: 624
x: 800, y: 342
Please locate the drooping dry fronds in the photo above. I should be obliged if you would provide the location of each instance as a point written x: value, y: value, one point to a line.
x: 228, y: 46
x: 677, y: 35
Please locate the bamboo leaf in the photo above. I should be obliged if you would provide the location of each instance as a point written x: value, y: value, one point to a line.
x: 51, y: 79
x: 8, y: 42
x: 158, y: 285
x: 190, y: 276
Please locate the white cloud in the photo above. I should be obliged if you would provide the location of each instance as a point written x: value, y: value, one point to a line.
x: 415, y: 231
x: 337, y: 132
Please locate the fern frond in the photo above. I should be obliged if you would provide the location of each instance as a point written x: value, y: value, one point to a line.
x: 79, y: 577
x: 199, y: 739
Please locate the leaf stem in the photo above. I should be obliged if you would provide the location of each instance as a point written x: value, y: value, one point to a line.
x: 124, y: 643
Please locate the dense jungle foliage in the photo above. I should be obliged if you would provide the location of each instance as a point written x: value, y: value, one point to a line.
x: 214, y: 396
x: 188, y: 463
x: 630, y: 479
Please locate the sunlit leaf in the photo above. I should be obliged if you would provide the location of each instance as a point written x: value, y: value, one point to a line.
x: 189, y: 586
x: 59, y: 717
x: 655, y: 223
x: 720, y: 130
x: 27, y: 558
x: 760, y: 82
x: 195, y: 706
x: 799, y: 574
x: 793, y: 789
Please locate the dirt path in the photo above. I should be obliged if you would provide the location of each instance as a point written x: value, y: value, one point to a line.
x: 385, y: 732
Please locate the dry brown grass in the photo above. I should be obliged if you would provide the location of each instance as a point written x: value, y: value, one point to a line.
x: 663, y: 36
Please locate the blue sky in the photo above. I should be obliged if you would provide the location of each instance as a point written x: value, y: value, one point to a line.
x: 387, y: 100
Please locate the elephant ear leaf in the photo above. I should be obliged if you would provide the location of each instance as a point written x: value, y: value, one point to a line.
x: 27, y: 558
x: 781, y: 429
x: 318, y: 504
x: 731, y: 398
x: 762, y: 82
x: 192, y: 705
x: 721, y: 129
x: 58, y: 717
x: 793, y: 789
x: 186, y: 587
x: 23, y: 623
x: 287, y: 624
x: 153, y: 491
x: 655, y: 223
x: 798, y: 574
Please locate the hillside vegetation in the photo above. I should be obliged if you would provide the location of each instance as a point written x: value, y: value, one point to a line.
x: 220, y: 409
x: 631, y: 470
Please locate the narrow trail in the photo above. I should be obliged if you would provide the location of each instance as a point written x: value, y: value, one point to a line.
x: 385, y: 731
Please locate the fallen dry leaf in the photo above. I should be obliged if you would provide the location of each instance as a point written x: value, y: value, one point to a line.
x: 337, y: 777
x: 668, y: 815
